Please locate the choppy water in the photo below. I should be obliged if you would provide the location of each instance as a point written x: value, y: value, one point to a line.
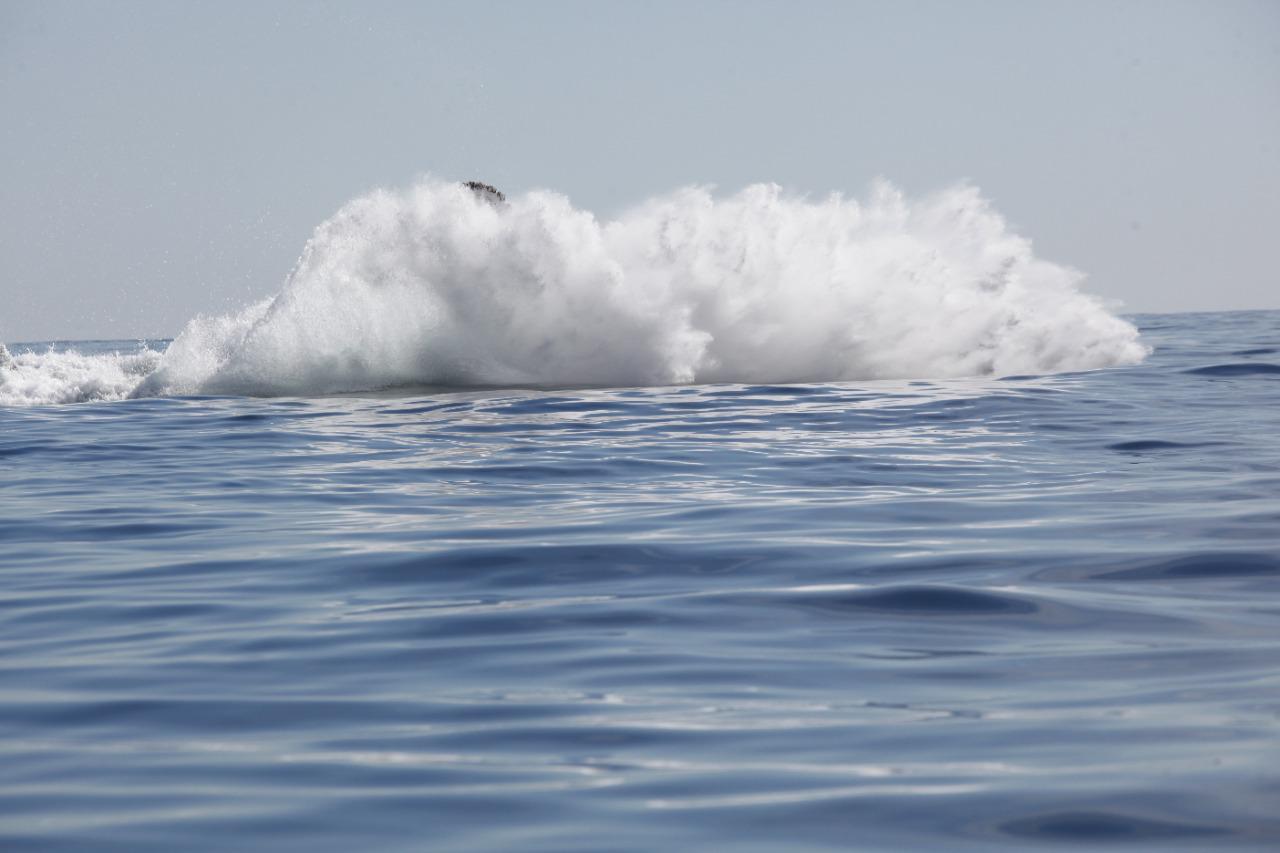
x: 1027, y: 612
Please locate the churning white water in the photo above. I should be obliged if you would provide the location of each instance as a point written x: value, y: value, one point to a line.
x: 50, y: 376
x: 434, y: 285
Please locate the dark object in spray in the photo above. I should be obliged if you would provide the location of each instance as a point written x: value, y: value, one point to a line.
x: 488, y: 192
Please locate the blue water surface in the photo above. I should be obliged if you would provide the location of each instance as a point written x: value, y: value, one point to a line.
x: 1034, y: 612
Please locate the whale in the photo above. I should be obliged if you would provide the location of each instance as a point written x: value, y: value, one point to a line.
x: 486, y: 192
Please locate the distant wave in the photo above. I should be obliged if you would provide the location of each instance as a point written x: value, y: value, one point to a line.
x: 433, y: 285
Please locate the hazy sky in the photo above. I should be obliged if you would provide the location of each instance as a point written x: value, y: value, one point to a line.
x: 162, y: 159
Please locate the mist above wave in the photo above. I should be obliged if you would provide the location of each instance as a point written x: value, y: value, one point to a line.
x: 433, y: 285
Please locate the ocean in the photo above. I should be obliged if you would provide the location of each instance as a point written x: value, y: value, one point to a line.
x: 260, y: 594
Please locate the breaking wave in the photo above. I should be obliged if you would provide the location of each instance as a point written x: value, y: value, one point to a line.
x: 438, y: 285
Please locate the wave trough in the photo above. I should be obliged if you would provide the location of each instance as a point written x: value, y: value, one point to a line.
x: 431, y: 285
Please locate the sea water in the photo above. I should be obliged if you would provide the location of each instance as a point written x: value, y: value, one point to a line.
x: 530, y: 531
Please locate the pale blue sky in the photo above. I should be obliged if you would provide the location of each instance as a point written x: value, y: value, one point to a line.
x: 163, y: 159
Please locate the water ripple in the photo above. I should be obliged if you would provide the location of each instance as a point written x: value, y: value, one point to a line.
x: 1033, y: 612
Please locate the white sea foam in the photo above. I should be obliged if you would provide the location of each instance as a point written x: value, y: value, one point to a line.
x: 434, y: 286
x: 50, y: 377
